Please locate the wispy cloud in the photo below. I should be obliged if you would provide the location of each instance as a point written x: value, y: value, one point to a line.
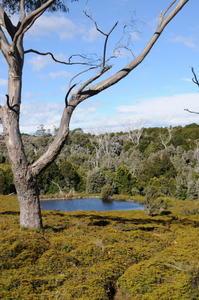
x: 39, y: 62
x: 187, y: 41
x: 57, y: 25
x: 162, y: 111
x: 63, y: 27
x: 59, y: 74
x: 91, y: 35
x: 35, y: 113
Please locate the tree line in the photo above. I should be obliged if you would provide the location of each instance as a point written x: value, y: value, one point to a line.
x: 160, y: 161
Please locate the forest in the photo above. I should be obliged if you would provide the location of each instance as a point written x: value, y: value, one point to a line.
x: 149, y: 161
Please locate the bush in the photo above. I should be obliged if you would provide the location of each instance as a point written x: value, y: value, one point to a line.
x: 106, y: 192
x: 123, y: 180
x: 95, y: 181
x: 156, y: 206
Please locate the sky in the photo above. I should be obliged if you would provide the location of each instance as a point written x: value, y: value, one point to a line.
x: 154, y: 94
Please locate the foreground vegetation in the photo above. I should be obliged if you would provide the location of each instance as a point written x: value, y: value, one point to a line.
x: 99, y: 256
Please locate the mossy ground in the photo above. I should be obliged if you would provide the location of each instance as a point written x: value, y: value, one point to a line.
x: 99, y: 256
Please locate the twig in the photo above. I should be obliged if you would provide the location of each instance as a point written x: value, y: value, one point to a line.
x: 69, y: 62
x: 107, y: 35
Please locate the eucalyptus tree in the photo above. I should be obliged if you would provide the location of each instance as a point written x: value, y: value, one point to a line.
x: 12, y: 48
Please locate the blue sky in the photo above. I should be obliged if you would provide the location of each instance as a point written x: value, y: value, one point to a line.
x: 155, y: 94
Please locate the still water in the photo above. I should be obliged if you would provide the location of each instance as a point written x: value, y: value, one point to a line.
x: 87, y: 204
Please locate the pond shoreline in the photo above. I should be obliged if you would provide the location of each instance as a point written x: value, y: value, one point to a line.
x: 136, y: 199
x: 121, y: 197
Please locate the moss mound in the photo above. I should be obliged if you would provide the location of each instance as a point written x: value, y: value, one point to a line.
x: 99, y: 256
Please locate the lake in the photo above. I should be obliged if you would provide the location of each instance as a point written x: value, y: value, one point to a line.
x: 88, y: 204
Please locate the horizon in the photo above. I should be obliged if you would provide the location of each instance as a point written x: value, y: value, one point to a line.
x: 155, y: 94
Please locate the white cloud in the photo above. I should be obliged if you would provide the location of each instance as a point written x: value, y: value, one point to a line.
x: 58, y: 25
x: 185, y: 40
x: 39, y: 62
x: 63, y: 27
x: 163, y: 111
x: 91, y: 35
x: 58, y: 74
x: 35, y: 113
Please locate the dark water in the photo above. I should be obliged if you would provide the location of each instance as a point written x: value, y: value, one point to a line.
x: 89, y: 204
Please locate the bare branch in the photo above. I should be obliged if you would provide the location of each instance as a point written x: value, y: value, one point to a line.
x: 22, y: 10
x: 107, y: 35
x: 92, y: 79
x: 126, y: 48
x: 29, y: 20
x: 168, y: 8
x: 56, y: 146
x: 4, y: 45
x: 69, y: 62
x: 68, y: 93
x: 132, y: 65
x: 195, y: 78
x: 191, y: 111
x: 7, y: 23
x: 82, y: 72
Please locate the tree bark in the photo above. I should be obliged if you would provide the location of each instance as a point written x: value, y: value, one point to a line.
x: 25, y: 182
x: 28, y: 196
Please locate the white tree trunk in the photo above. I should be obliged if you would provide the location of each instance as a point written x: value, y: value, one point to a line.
x: 25, y: 183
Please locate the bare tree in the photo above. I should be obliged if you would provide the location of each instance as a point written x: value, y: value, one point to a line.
x: 12, y: 48
x: 166, y: 138
x: 135, y: 136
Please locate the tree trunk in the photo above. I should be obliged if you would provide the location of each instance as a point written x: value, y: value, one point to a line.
x: 25, y: 182
x: 28, y: 197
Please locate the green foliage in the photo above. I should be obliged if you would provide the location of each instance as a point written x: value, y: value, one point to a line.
x: 6, y: 180
x: 47, y: 177
x: 95, y: 181
x: 164, y: 158
x: 123, y: 180
x: 71, y: 178
x: 13, y: 5
x: 106, y: 192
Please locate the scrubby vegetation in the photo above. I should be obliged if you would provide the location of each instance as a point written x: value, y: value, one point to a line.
x: 164, y: 161
x: 134, y: 255
x: 99, y: 256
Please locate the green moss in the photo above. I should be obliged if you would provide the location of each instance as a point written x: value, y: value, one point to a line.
x: 92, y: 256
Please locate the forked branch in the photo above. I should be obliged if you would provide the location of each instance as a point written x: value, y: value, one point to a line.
x: 29, y: 20
x: 122, y: 73
x: 106, y: 34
